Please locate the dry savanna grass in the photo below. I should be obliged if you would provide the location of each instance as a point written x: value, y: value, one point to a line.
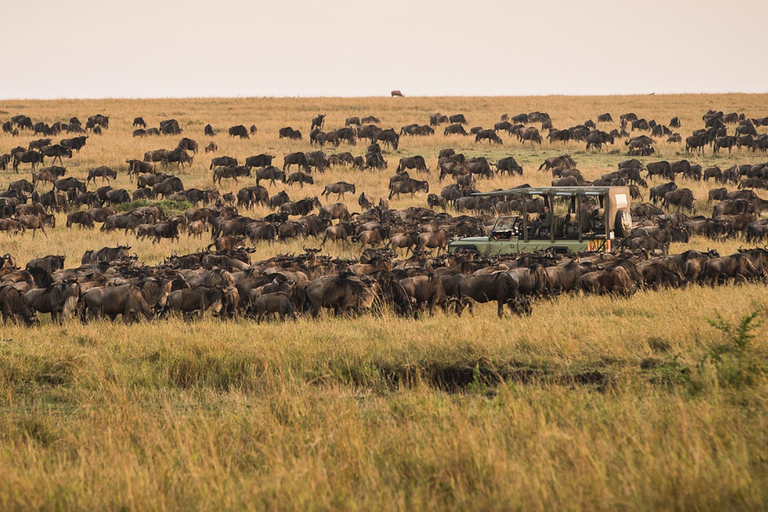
x: 590, y: 403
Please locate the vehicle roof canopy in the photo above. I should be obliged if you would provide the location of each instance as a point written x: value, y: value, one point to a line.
x: 552, y: 191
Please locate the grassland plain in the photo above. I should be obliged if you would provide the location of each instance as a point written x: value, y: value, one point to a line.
x: 589, y: 403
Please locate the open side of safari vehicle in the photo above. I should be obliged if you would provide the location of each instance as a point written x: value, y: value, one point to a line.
x: 583, y: 219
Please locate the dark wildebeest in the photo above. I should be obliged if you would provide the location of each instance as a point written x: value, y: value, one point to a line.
x: 681, y: 198
x: 657, y: 193
x: 211, y: 148
x: 56, y: 151
x: 457, y: 118
x: 345, y: 294
x: 455, y: 129
x: 389, y: 138
x: 318, y: 122
x: 499, y: 287
x: 298, y: 158
x: 232, y: 172
x: 300, y: 178
x: 488, y: 134
x: 605, y: 118
x: 51, y: 263
x: 170, y: 127
x: 289, y: 133
x: 411, y: 186
x: 509, y: 165
x: 340, y: 188
x: 187, y: 144
x: 239, y: 131
x: 59, y: 300
x: 126, y: 300
x: 35, y: 222
x: 397, y: 93
x: 106, y: 254
x: 270, y: 303
x: 139, y: 121
x: 80, y: 218
x: 102, y: 172
x: 223, y: 161
x: 65, y: 184
x: 208, y: 130
x: 13, y: 306
x: 558, y: 161
x: 27, y: 157
x: 532, y: 134
x: 75, y: 144
x: 414, y: 162
x: 270, y: 173
x: 195, y: 301
x: 178, y: 156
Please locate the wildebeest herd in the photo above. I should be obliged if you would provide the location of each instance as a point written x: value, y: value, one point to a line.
x: 225, y: 279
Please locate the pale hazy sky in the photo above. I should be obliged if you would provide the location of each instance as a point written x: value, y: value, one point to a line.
x: 190, y: 48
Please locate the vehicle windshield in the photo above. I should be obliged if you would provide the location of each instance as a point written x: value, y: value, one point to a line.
x: 506, y: 228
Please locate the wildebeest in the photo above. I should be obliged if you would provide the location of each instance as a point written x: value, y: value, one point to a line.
x: 126, y: 300
x: 318, y: 122
x: 397, y: 93
x: 488, y: 134
x: 344, y: 293
x: 455, y: 129
x: 558, y: 161
x: 680, y: 198
x: 300, y: 178
x: 270, y: 303
x: 414, y: 162
x: 57, y: 299
x: 232, y: 172
x: 289, y: 133
x: 411, y: 186
x: 532, y: 134
x: 340, y: 188
x: 389, y: 138
x: 139, y: 121
x: 81, y: 218
x: 239, y: 131
x: 13, y: 306
x: 170, y: 127
x: 270, y: 173
x: 657, y: 193
x: 223, y: 161
x: 35, y: 222
x: 27, y: 157
x: 509, y: 165
x: 298, y: 158
x: 499, y: 287
x: 51, y: 263
x: 102, y: 172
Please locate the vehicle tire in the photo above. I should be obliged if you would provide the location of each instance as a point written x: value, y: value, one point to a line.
x: 623, y: 224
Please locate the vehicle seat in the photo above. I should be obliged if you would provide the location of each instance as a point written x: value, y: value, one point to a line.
x: 557, y: 226
x: 571, y: 229
x: 586, y: 220
x: 598, y: 220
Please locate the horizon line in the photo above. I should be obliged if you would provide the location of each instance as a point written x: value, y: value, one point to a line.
x: 92, y: 98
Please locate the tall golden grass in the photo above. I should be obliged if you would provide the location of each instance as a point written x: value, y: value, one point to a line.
x: 589, y: 403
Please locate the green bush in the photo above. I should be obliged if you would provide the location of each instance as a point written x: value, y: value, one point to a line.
x: 734, y: 359
x: 170, y: 208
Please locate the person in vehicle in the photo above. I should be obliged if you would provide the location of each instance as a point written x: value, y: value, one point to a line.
x: 543, y: 223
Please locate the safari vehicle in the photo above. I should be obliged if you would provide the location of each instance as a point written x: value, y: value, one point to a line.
x: 582, y: 219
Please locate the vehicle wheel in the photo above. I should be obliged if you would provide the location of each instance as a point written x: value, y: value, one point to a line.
x: 623, y: 224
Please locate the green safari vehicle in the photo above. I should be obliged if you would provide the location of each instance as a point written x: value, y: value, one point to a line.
x: 582, y: 219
